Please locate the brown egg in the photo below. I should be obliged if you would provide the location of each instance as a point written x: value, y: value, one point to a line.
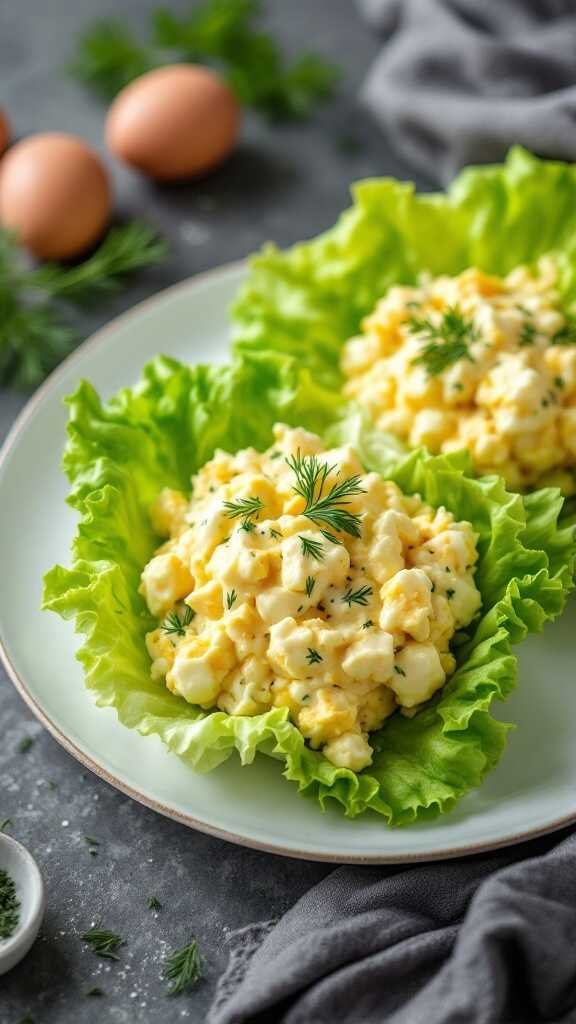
x: 175, y: 122
x: 55, y: 194
x: 4, y: 131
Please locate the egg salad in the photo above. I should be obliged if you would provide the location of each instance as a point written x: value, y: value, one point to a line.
x: 475, y: 361
x: 294, y: 579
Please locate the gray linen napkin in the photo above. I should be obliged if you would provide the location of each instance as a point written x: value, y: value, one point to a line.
x: 460, y: 81
x: 487, y: 940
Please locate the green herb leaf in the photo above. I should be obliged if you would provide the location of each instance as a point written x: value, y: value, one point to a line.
x: 248, y: 508
x: 36, y: 303
x: 103, y: 943
x: 367, y: 624
x: 26, y: 743
x: 5, y: 824
x: 176, y: 626
x: 313, y: 657
x: 327, y: 508
x: 527, y: 334
x: 275, y: 535
x: 231, y: 597
x: 399, y: 670
x: 312, y: 548
x: 220, y: 32
x: 182, y: 969
x: 445, y: 342
x: 359, y: 596
x: 310, y: 581
x: 567, y: 334
x: 154, y: 903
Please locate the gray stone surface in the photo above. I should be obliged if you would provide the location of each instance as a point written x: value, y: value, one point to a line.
x: 283, y: 184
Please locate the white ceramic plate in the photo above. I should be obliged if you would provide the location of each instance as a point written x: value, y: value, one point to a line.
x: 531, y: 792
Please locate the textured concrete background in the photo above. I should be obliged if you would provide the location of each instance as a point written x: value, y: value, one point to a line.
x: 282, y: 184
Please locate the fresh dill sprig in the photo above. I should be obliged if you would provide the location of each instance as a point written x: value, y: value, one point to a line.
x: 37, y: 303
x: 359, y: 596
x: 103, y: 942
x: 313, y: 657
x: 154, y: 903
x: 312, y: 548
x: 527, y: 334
x: 325, y: 507
x: 224, y: 33
x: 182, y: 969
x: 176, y: 626
x: 310, y: 581
x: 567, y: 334
x: 245, y: 508
x: 444, y: 343
x: 231, y: 597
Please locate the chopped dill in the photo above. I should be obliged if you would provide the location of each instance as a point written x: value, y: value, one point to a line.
x: 399, y: 670
x: 359, y: 596
x: 313, y: 657
x: 275, y: 535
x: 174, y: 625
x: 25, y: 744
x: 231, y: 597
x: 450, y: 593
x: 9, y: 905
x: 102, y: 942
x: 154, y: 903
x: 444, y: 343
x: 310, y: 581
x: 367, y: 624
x: 182, y: 969
x: 311, y: 548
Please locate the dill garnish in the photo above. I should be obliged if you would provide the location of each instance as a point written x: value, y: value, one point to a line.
x: 450, y: 593
x: 9, y: 906
x: 327, y: 508
x: 444, y: 343
x: 399, y: 670
x: 311, y: 548
x: 359, y: 596
x: 5, y: 824
x: 230, y: 598
x: 310, y: 581
x: 182, y: 969
x: 154, y: 903
x: 173, y: 624
x: 275, y: 535
x: 567, y: 334
x: 527, y: 334
x: 367, y: 624
x: 25, y: 744
x: 246, y: 509
x: 313, y: 657
x: 102, y: 942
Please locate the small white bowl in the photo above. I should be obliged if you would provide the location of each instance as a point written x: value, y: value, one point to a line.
x: 23, y: 869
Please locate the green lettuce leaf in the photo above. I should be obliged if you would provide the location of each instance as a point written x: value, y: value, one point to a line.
x: 120, y: 454
x: 307, y: 301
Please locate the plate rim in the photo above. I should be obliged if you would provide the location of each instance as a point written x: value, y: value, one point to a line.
x: 38, y: 398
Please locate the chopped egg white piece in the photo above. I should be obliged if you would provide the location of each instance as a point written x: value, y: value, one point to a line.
x: 262, y: 603
x: 478, y: 362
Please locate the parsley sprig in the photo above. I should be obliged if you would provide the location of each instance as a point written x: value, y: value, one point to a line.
x: 182, y: 969
x: 223, y: 33
x: 326, y: 508
x: 37, y: 303
x: 444, y: 343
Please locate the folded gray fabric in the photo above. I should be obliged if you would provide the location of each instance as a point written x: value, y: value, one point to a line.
x: 479, y: 941
x: 460, y: 81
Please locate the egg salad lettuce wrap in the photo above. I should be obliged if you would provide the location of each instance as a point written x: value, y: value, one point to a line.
x: 476, y: 353
x: 121, y: 453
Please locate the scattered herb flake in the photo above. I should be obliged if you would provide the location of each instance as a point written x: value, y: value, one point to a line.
x: 154, y: 903
x: 311, y: 548
x: 326, y: 508
x: 444, y: 343
x: 9, y: 905
x: 231, y: 597
x: 182, y: 969
x: 174, y: 625
x: 310, y: 581
x: 399, y: 670
x: 527, y: 334
x: 450, y: 593
x: 26, y: 743
x: 5, y: 824
x: 359, y: 596
x: 567, y: 334
x: 102, y: 942
x: 559, y: 382
x: 313, y: 657
x: 275, y: 534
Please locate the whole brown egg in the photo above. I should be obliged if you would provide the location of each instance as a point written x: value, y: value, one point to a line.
x: 54, y: 194
x: 174, y: 122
